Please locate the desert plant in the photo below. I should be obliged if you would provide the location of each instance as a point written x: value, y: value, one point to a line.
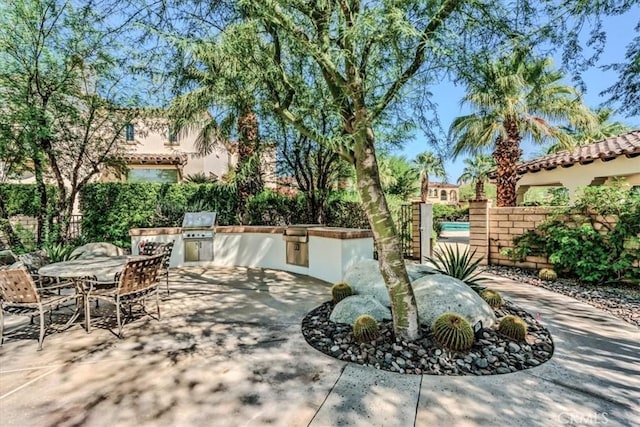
x: 365, y: 328
x: 513, y: 327
x: 493, y: 298
x: 460, y: 265
x: 340, y: 291
x: 453, y: 332
x: 57, y: 252
x: 547, y: 274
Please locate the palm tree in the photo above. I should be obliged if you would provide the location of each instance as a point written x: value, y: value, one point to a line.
x: 428, y: 164
x: 516, y: 97
x: 215, y: 83
x: 605, y: 128
x: 477, y: 171
x: 397, y: 176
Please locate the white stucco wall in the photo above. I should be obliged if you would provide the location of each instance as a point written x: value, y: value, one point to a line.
x: 578, y: 176
x: 329, y: 258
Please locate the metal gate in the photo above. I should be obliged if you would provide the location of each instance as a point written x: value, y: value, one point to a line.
x: 405, y: 229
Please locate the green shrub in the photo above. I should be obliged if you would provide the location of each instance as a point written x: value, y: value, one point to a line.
x: 110, y: 210
x: 23, y: 199
x: 271, y: 208
x: 594, y: 240
x: 453, y: 332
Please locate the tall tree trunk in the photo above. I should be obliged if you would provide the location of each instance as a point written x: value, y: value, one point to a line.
x: 41, y: 189
x: 248, y: 172
x: 480, y: 189
x: 424, y: 188
x: 507, y: 154
x: 392, y: 267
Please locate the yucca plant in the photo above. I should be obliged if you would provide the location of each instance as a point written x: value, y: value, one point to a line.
x: 458, y: 264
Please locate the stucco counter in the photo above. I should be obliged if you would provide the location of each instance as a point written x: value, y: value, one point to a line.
x: 331, y: 250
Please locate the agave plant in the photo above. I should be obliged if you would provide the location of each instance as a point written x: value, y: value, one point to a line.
x: 57, y: 252
x: 458, y: 264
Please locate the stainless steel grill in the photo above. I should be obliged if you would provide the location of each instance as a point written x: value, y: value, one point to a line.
x: 198, y: 232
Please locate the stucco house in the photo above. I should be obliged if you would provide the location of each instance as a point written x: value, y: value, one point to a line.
x: 153, y: 152
x: 443, y: 193
x: 593, y: 164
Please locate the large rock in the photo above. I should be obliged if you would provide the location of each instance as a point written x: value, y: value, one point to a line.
x: 365, y: 279
x: 437, y: 294
x: 416, y: 271
x: 98, y: 249
x: 7, y: 257
x: 348, y: 310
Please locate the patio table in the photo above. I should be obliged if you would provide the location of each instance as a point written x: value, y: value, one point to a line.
x: 103, y: 268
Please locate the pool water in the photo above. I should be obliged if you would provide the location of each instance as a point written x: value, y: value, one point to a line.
x: 455, y: 226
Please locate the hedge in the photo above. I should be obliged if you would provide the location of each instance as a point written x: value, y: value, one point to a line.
x: 23, y: 199
x: 110, y: 210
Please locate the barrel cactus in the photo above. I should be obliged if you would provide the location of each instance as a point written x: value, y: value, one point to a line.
x: 513, y: 327
x: 547, y: 274
x: 340, y: 291
x: 365, y: 328
x: 493, y: 298
x: 453, y: 332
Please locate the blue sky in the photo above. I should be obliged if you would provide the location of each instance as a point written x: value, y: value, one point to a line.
x: 620, y: 31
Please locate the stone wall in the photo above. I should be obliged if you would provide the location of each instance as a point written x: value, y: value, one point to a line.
x: 507, y: 223
x: 492, y: 230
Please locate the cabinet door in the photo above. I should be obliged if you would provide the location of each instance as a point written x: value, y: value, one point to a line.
x: 206, y: 250
x: 191, y: 250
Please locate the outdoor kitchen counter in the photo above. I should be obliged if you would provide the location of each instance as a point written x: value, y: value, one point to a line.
x: 331, y: 249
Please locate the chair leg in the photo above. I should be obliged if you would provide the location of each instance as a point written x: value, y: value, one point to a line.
x: 118, y: 317
x: 41, y: 329
x: 1, y: 326
x: 166, y: 275
x: 158, y: 303
x: 87, y: 314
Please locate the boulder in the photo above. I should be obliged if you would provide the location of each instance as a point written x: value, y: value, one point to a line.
x: 348, y: 310
x: 365, y: 279
x: 98, y: 249
x: 438, y: 293
x: 7, y: 257
x: 417, y: 271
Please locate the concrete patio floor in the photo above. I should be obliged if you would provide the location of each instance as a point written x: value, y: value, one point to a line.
x: 228, y: 351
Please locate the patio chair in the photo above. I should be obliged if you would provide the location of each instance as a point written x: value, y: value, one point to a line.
x: 20, y: 295
x: 137, y: 282
x: 155, y: 248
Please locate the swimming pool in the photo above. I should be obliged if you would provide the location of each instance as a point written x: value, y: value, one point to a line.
x: 455, y: 226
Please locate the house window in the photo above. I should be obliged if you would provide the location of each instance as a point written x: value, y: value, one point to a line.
x: 173, y: 138
x: 153, y: 175
x: 129, y: 132
x: 443, y: 195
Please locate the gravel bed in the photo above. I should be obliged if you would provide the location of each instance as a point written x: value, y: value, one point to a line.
x: 491, y: 354
x: 622, y: 301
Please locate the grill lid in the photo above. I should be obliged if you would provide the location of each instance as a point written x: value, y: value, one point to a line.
x: 200, y: 220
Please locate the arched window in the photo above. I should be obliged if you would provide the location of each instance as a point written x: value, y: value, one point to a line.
x: 453, y: 196
x: 443, y: 195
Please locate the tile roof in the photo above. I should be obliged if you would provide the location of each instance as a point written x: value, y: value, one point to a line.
x: 627, y: 144
x: 442, y: 185
x: 156, y: 159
